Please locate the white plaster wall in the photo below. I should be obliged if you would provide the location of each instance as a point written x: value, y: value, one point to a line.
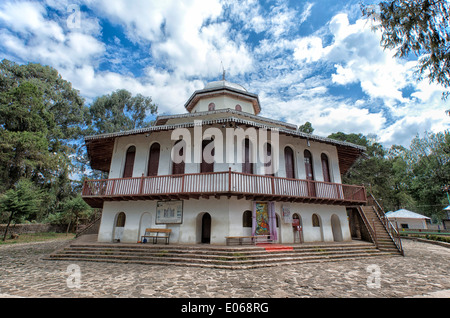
x: 143, y: 144
x: 413, y: 223
x: 226, y: 220
x: 226, y: 213
x: 223, y: 102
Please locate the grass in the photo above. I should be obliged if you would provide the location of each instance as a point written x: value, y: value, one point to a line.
x: 36, y: 237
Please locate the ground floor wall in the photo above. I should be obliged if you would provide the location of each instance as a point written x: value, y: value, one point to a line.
x: 211, y: 220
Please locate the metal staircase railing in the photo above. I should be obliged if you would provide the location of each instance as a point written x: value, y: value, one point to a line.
x: 392, y: 231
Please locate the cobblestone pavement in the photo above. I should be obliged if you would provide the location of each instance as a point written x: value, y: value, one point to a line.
x: 424, y: 272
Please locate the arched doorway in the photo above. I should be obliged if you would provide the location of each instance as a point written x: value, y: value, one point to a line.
x: 119, y: 225
x: 317, y: 227
x: 297, y: 227
x: 205, y: 228
x: 336, y: 228
x: 278, y: 224
x: 145, y: 223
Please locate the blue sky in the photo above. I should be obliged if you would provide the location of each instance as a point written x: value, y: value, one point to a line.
x: 316, y: 61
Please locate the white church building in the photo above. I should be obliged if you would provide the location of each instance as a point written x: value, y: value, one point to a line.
x: 220, y: 170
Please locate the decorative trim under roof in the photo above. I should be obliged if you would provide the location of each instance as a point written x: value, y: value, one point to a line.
x: 222, y: 121
x: 100, y: 147
x: 162, y: 120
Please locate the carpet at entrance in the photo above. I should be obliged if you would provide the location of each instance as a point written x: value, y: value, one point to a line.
x: 275, y: 247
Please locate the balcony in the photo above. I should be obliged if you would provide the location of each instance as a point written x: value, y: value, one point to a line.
x: 217, y: 184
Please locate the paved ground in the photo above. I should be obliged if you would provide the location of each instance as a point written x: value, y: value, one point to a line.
x: 423, y: 272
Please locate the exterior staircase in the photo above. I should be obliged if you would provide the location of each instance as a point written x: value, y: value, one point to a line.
x: 225, y: 257
x: 383, y: 233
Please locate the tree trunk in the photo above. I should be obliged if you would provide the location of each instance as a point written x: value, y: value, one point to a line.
x: 7, y: 226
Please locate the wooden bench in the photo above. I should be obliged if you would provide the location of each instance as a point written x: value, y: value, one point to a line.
x: 241, y: 240
x: 155, y: 234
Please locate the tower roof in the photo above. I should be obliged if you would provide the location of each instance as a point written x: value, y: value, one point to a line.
x: 224, y: 84
x: 223, y: 87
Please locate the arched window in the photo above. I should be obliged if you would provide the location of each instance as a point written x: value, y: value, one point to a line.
x: 207, y: 164
x: 247, y: 219
x: 247, y: 166
x: 153, y: 160
x: 238, y: 107
x: 129, y: 162
x: 178, y: 161
x: 325, y: 168
x: 315, y: 220
x: 289, y: 162
x: 121, y: 218
x: 212, y: 106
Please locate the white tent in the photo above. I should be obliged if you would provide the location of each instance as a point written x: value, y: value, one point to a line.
x: 406, y: 219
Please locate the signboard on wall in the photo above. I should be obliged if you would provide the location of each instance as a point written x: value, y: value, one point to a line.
x: 169, y: 212
x: 286, y: 212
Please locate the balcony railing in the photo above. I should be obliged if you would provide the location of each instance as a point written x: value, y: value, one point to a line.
x: 257, y: 187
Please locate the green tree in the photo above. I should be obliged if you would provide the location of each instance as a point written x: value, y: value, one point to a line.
x: 121, y: 111
x: 20, y: 202
x: 372, y: 169
x: 306, y: 128
x: 417, y: 27
x: 400, y: 179
x: 70, y: 211
x: 60, y: 99
x: 428, y: 160
x: 41, y: 119
x: 24, y: 125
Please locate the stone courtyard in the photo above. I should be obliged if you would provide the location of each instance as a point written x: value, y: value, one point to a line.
x: 423, y: 272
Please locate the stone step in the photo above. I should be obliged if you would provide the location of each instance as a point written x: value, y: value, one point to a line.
x: 219, y: 257
x: 178, y: 249
x: 228, y: 256
x: 233, y: 264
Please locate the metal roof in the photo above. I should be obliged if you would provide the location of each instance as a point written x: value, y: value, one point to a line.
x: 403, y: 213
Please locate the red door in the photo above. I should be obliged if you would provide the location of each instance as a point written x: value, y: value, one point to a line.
x: 289, y: 162
x: 268, y: 165
x: 309, y: 173
x: 178, y: 163
x: 247, y: 166
x: 153, y: 160
x: 129, y: 162
x: 325, y: 168
x: 207, y: 164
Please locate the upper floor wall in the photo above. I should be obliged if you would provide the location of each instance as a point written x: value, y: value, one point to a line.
x: 150, y: 154
x: 222, y: 102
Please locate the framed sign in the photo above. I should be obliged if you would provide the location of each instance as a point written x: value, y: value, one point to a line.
x: 286, y: 211
x: 169, y: 212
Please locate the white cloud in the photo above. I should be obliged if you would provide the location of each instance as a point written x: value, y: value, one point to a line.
x: 306, y: 12
x: 179, y: 45
x: 309, y: 49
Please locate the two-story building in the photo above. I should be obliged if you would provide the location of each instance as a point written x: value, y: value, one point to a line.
x: 222, y: 170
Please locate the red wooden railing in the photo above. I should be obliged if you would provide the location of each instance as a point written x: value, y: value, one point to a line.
x: 226, y: 182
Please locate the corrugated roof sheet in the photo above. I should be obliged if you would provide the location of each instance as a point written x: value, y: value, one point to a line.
x: 403, y: 213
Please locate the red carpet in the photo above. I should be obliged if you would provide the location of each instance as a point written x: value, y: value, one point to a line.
x: 275, y: 247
